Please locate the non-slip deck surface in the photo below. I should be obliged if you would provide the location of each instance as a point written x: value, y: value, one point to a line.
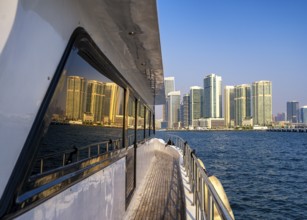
x: 163, y: 197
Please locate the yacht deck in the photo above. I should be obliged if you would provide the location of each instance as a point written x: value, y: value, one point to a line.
x: 162, y: 195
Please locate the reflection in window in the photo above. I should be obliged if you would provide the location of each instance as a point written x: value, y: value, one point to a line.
x: 140, y: 128
x: 147, y: 121
x: 87, y: 109
x: 152, y: 121
x: 131, y: 120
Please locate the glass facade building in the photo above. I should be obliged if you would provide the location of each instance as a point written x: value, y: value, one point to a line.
x: 242, y: 103
x: 174, y: 109
x: 293, y: 111
x: 229, y: 106
x: 304, y: 114
x: 213, y: 96
x: 169, y: 85
x: 262, y: 103
x: 186, y: 111
x: 196, y: 103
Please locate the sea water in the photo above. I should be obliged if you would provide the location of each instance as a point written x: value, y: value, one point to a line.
x: 263, y: 173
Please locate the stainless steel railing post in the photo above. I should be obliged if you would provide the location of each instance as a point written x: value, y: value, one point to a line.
x: 42, y: 166
x: 196, y: 192
x: 205, y: 196
x: 64, y: 158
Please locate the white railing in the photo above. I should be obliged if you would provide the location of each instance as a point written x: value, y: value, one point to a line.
x: 205, y: 197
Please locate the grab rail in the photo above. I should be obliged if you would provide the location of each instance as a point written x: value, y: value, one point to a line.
x: 205, y: 197
x: 99, y: 148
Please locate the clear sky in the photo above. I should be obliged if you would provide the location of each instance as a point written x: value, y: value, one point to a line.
x: 241, y: 40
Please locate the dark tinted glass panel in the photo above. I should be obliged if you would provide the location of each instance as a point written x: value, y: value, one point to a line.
x: 85, y: 116
x: 141, y: 121
x: 152, y: 124
x: 131, y: 120
x: 147, y: 125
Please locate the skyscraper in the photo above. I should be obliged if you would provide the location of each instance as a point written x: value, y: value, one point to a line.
x: 304, y: 114
x: 196, y: 103
x: 94, y: 99
x: 213, y: 96
x: 229, y: 105
x: 75, y: 97
x: 113, y: 102
x: 242, y: 103
x: 262, y: 103
x: 174, y: 108
x: 169, y: 85
x: 186, y: 110
x: 293, y: 111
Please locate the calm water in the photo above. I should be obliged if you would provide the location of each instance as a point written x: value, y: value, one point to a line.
x: 263, y: 173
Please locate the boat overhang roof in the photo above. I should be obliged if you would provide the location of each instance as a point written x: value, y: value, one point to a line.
x: 132, y: 26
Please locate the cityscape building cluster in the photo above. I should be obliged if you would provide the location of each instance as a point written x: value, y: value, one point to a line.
x: 295, y: 113
x: 245, y: 106
x: 202, y: 108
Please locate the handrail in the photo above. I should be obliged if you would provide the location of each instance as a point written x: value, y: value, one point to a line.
x: 76, y: 151
x: 205, y: 197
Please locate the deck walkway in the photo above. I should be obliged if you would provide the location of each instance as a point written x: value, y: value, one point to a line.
x: 163, y: 195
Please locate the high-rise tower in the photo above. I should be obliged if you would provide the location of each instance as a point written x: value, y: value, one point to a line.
x: 262, y: 103
x: 304, y: 114
x: 169, y: 85
x: 213, y: 96
x: 186, y: 110
x: 293, y: 112
x: 75, y: 97
x: 94, y: 99
x: 229, y: 106
x: 242, y: 103
x: 173, y: 109
x: 196, y: 103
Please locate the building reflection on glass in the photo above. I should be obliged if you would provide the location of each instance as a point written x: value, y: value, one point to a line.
x: 92, y: 102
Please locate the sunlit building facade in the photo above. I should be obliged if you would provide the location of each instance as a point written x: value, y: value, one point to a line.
x: 169, y: 86
x: 213, y: 96
x: 229, y: 106
x: 262, y: 103
x: 174, y: 108
x: 94, y: 99
x: 242, y: 103
x: 114, y: 98
x: 186, y: 110
x: 75, y: 97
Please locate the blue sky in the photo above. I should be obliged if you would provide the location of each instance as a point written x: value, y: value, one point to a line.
x: 241, y: 40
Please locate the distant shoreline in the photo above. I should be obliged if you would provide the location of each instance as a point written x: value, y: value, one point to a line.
x: 209, y: 130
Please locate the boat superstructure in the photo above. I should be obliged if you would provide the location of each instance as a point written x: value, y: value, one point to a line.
x: 78, y: 85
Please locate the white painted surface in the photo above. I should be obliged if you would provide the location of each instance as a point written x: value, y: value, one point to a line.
x: 101, y: 196
x: 8, y: 10
x: 190, y: 209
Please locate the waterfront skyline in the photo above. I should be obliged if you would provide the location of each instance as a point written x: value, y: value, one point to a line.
x: 243, y: 41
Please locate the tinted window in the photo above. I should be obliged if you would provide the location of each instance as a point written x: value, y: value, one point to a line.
x: 141, y: 121
x: 86, y: 110
x: 131, y: 120
x: 147, y: 126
